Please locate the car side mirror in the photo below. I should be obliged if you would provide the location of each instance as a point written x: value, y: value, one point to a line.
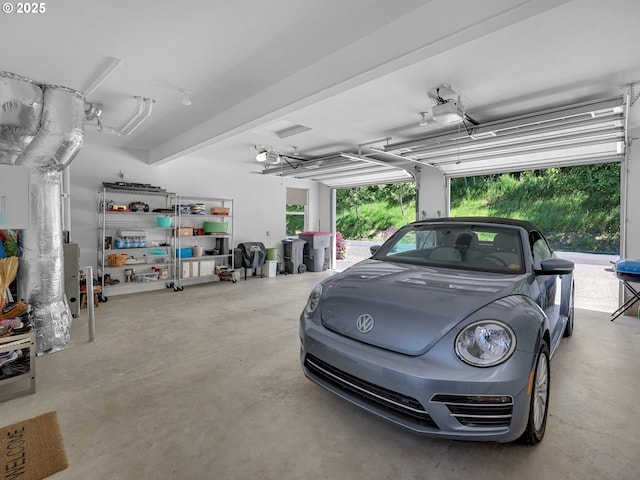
x: 555, y: 266
x: 374, y: 248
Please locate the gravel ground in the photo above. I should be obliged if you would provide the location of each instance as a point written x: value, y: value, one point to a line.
x: 596, y: 288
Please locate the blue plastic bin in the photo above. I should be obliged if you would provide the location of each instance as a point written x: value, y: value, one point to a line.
x: 184, y: 252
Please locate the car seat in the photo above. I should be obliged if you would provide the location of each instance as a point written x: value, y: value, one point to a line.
x: 466, y: 244
x: 507, y: 249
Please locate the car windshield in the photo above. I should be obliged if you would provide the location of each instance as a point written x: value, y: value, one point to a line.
x: 481, y: 247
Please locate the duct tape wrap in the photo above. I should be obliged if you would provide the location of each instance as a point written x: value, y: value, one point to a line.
x: 20, y: 112
x: 41, y: 273
x: 52, y: 336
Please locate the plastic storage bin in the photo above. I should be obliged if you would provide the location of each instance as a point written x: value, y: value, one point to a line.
x: 184, y: 252
x: 158, y: 259
x: 271, y: 268
x: 164, y: 222
x: 147, y: 277
x: 214, y: 227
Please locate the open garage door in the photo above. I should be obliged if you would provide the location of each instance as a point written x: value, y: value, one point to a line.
x: 590, y: 132
x: 344, y: 170
x: 580, y: 134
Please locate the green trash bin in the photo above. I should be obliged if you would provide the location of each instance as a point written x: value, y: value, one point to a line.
x: 271, y: 254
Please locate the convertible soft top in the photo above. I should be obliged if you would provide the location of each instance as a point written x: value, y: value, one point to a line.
x: 528, y: 226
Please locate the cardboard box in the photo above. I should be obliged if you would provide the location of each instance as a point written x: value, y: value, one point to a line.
x: 207, y: 267
x: 219, y: 211
x: 194, y: 268
x: 189, y: 269
x: 183, y: 232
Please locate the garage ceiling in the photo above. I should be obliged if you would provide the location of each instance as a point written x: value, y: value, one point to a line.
x: 314, y: 79
x: 589, y: 132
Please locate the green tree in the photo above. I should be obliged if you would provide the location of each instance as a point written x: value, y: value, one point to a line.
x: 577, y: 207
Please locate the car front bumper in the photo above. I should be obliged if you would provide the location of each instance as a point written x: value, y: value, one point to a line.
x: 435, y: 394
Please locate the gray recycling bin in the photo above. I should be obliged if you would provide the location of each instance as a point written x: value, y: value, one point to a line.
x: 314, y: 251
x: 293, y: 254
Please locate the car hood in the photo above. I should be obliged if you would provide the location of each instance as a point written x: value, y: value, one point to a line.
x: 412, y: 306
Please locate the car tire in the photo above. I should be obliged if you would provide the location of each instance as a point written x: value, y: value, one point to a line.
x: 539, y: 405
x: 568, y: 329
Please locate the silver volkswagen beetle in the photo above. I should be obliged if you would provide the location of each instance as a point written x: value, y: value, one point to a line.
x: 447, y: 330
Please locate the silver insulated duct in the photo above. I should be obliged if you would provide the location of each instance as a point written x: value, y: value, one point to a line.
x: 20, y: 113
x: 42, y: 128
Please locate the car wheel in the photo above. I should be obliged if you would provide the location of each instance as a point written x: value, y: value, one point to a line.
x: 568, y: 329
x: 539, y: 405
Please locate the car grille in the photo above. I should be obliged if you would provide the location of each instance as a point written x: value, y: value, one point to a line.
x: 478, y: 410
x: 401, y: 405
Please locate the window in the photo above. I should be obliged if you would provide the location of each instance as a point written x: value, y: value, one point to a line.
x: 296, y: 211
x: 296, y: 219
x: 540, y: 249
x: 461, y: 245
x: 407, y: 243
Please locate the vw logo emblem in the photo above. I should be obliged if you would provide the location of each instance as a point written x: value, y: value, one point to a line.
x: 364, y: 323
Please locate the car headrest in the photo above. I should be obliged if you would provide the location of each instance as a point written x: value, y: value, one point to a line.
x: 505, y: 242
x: 466, y: 240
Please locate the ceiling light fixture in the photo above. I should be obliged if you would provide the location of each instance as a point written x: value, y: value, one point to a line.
x: 268, y: 157
x: 448, y: 112
x: 263, y: 150
x: 186, y: 97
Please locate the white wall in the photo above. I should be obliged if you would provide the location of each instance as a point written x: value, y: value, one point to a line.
x: 630, y: 247
x: 324, y: 212
x: 259, y: 200
x: 433, y: 196
x: 632, y: 226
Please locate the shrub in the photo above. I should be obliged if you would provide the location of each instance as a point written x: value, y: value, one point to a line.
x: 341, y: 247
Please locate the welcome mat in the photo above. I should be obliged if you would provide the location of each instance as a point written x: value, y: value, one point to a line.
x: 32, y: 449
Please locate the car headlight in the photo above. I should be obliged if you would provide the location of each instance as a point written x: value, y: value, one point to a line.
x: 485, y: 343
x: 313, y: 301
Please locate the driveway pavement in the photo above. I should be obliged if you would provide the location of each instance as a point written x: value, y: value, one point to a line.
x: 596, y: 288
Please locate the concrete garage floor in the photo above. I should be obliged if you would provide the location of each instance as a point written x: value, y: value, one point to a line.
x: 206, y: 384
